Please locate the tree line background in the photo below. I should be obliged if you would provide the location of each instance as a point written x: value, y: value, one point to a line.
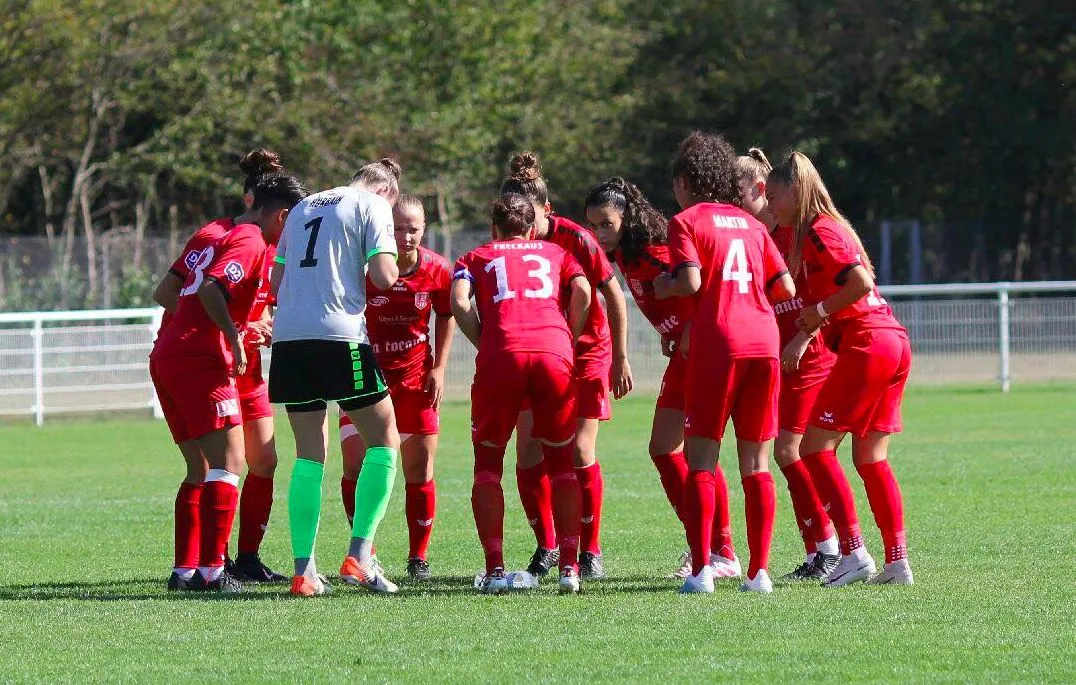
x: 122, y: 122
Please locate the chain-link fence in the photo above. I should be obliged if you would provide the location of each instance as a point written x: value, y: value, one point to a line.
x: 91, y: 361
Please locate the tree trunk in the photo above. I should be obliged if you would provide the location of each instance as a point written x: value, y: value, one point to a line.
x: 47, y: 190
x: 91, y: 244
x: 141, y: 219
x: 173, y: 229
x: 446, y: 227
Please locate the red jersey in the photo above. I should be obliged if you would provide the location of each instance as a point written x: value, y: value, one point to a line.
x: 669, y: 316
x: 739, y: 262
x: 521, y: 288
x: 594, y: 342
x: 188, y: 258
x: 829, y: 253
x: 398, y: 320
x: 236, y: 263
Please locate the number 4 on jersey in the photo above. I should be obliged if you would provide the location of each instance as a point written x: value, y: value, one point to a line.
x: 735, y: 268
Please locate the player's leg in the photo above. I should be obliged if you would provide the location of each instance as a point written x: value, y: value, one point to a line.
x: 223, y: 449
x: 816, y: 529
x: 698, y: 510
x: 535, y: 494
x: 352, y: 449
x: 188, y: 519
x: 871, y: 455
x: 553, y: 398
x: 256, y: 497
x: 309, y: 426
x: 667, y: 453
x: 420, y: 505
x: 592, y: 407
x: 754, y: 414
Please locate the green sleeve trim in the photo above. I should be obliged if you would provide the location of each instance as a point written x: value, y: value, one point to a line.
x: 278, y: 259
x: 383, y: 250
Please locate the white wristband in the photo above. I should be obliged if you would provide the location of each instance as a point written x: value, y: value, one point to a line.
x: 821, y: 309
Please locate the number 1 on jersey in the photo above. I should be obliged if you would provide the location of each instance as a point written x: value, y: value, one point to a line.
x: 735, y: 268
x: 541, y: 272
x: 314, y: 225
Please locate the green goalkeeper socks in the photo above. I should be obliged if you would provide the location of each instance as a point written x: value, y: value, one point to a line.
x: 304, y: 506
x: 372, y: 490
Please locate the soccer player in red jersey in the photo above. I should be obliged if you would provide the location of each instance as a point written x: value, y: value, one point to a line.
x: 398, y: 322
x: 724, y: 257
x: 806, y: 363
x: 193, y: 365
x: 521, y: 288
x: 635, y: 235
x: 864, y: 389
x: 256, y: 499
x: 601, y: 362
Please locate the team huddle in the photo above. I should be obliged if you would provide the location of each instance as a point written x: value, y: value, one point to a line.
x: 760, y: 290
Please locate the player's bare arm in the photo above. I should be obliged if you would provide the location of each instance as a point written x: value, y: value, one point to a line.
x: 167, y: 292
x: 216, y: 306
x: 857, y: 284
x: 620, y: 374
x: 383, y: 270
x: 783, y: 288
x: 579, y: 306
x: 686, y: 282
x: 465, y: 315
x: 444, y: 328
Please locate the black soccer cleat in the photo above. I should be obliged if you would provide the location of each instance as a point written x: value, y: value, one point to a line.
x: 591, y: 566
x: 543, y: 560
x: 824, y: 564
x: 177, y: 583
x: 248, y: 568
x: 800, y: 573
x: 225, y: 583
x: 418, y: 569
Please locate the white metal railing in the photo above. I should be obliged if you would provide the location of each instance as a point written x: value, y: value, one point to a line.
x: 55, y: 362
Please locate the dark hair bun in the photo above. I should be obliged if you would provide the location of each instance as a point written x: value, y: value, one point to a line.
x: 525, y: 166
x: 512, y: 214
x: 392, y: 166
x: 260, y: 161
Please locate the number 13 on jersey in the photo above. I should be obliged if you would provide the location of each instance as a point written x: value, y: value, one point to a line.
x: 540, y: 271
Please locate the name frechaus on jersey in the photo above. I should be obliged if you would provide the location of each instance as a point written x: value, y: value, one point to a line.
x: 514, y: 245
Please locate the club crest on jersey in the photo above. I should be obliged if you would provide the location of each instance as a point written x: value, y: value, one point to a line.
x: 234, y: 272
x: 379, y: 301
x: 422, y: 300
x: 191, y: 260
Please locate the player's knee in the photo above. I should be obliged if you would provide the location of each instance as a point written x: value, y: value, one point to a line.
x: 382, y: 456
x: 486, y: 477
x: 563, y: 477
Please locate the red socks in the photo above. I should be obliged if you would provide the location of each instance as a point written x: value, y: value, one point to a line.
x: 255, y: 505
x: 672, y: 470
x: 188, y: 525
x: 219, y: 500
x: 811, y: 517
x: 760, y: 506
x: 592, y: 490
x: 698, y: 511
x: 884, y: 496
x: 535, y: 494
x: 347, y: 495
x: 420, y: 506
x: 836, y: 496
x: 721, y: 536
x: 567, y: 501
x: 487, y: 503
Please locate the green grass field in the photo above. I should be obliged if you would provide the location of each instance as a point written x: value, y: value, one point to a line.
x: 989, y: 484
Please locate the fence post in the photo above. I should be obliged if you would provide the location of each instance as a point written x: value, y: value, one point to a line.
x: 39, y: 372
x: 154, y: 401
x: 1003, y: 335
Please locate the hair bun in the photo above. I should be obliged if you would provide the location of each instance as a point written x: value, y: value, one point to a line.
x: 525, y: 166
x: 392, y: 166
x: 260, y: 161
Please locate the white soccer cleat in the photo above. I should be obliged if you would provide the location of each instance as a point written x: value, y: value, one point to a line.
x: 895, y: 573
x: 372, y: 578
x: 852, y: 568
x: 521, y: 580
x: 569, y: 581
x: 724, y: 567
x: 492, y: 583
x: 760, y: 583
x: 684, y: 570
x: 702, y: 583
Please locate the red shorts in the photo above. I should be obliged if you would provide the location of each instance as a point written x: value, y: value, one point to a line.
x: 504, y: 380
x: 865, y: 387
x: 414, y: 411
x: 800, y: 388
x: 253, y: 390
x: 671, y: 395
x: 744, y: 389
x: 592, y: 388
x: 195, y: 399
